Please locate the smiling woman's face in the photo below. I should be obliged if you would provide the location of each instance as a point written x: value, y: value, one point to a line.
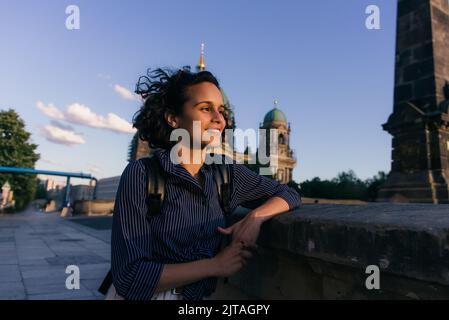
x: 204, y: 104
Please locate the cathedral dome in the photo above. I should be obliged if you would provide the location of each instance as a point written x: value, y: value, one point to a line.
x: 275, y: 115
x: 228, y: 105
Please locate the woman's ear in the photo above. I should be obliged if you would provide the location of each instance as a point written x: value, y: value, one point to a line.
x: 171, y: 120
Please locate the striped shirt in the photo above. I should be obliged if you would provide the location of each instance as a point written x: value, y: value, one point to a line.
x: 184, y: 230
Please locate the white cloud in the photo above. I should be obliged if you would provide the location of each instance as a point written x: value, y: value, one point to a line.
x: 61, y: 136
x: 125, y: 93
x: 118, y: 124
x: 50, y: 111
x: 80, y: 114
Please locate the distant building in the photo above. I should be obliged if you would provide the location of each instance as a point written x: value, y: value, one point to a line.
x: 286, y: 160
x: 107, y: 188
x: 77, y: 193
x: 81, y: 192
x: 50, y: 184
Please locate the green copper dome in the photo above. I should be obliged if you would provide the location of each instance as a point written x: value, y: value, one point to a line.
x: 274, y: 115
x: 228, y: 105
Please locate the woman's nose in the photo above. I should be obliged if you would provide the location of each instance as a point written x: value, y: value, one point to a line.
x: 218, y: 116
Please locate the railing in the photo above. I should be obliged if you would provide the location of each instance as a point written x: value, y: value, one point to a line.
x: 54, y: 173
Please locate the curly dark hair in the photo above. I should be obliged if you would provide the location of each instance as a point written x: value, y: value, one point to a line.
x: 163, y: 90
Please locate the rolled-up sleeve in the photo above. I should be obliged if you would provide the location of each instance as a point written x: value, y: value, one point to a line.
x: 135, y: 275
x: 251, y: 190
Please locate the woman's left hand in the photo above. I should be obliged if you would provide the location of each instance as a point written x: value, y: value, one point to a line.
x: 245, y: 231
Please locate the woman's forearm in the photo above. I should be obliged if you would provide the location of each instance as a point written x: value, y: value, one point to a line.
x: 180, y: 274
x: 270, y: 208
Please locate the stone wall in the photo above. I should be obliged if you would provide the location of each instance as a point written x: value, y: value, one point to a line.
x: 322, y: 252
x: 93, y: 207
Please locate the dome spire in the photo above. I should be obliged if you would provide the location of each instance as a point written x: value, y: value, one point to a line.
x: 275, y: 103
x: 201, y: 66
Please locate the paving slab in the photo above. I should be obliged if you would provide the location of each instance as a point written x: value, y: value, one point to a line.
x: 36, y: 248
x: 12, y: 291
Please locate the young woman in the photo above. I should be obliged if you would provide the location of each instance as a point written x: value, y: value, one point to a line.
x: 175, y: 254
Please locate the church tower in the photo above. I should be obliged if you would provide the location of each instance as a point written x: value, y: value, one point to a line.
x: 275, y: 119
x: 419, y: 123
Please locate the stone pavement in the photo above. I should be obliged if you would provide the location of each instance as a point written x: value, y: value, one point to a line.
x: 36, y: 248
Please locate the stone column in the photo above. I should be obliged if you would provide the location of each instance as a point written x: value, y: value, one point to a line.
x: 419, y: 123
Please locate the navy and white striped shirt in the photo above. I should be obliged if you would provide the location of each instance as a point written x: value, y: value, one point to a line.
x: 186, y: 228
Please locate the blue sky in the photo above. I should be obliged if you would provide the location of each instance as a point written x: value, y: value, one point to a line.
x: 332, y: 76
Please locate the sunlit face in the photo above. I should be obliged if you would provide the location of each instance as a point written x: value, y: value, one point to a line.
x: 204, y: 104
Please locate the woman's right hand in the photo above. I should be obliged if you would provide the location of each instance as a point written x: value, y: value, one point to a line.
x: 230, y: 259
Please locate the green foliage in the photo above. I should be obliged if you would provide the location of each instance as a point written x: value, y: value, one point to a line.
x: 345, y: 186
x: 374, y: 184
x: 17, y: 151
x: 41, y: 192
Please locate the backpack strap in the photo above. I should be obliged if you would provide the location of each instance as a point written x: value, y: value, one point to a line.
x: 155, y: 197
x: 222, y: 181
x: 107, y: 282
x: 155, y: 185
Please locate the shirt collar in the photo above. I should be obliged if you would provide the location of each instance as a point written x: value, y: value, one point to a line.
x: 164, y: 159
x: 176, y: 169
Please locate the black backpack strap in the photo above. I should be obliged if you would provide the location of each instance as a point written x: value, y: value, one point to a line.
x: 222, y: 181
x: 155, y: 197
x: 107, y: 282
x: 155, y: 185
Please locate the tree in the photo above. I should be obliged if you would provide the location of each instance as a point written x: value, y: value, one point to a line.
x: 374, y: 184
x: 17, y: 151
x: 345, y: 186
x: 41, y: 192
x: 348, y: 186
